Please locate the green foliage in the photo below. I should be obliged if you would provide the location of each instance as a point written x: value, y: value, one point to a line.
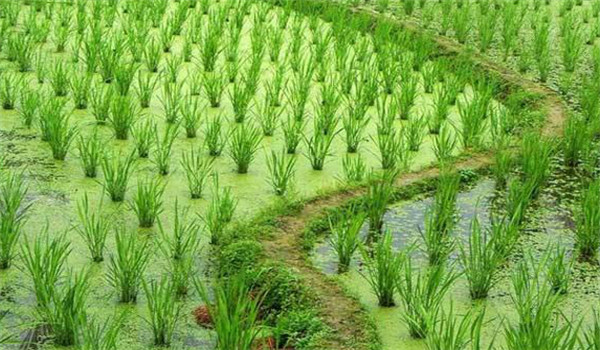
x: 382, y: 268
x: 12, y: 215
x: 93, y: 228
x: 163, y: 309
x: 127, y: 265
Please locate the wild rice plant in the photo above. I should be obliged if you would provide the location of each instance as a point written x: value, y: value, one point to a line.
x: 211, y: 47
x: 80, y: 86
x: 12, y: 216
x: 572, y: 46
x: 353, y: 132
x: 345, y: 238
x: 29, y: 105
x: 164, y: 147
x: 536, y: 154
x: 59, y: 78
x: 390, y: 146
x: 382, y: 268
x: 213, y: 136
x: 184, y: 238
x: 292, y: 134
x: 587, y: 237
x: 220, y: 212
x: 354, y: 168
x: 444, y: 145
x: 318, y: 147
x: 590, y: 339
x: 60, y: 134
x: 90, y: 151
x: 163, y: 309
x: 145, y: 88
x: 93, y: 228
x: 10, y: 86
x: 170, y: 101
x: 575, y: 139
x: 147, y: 201
x: 281, y: 171
x: 117, y: 170
x: 44, y: 260
x: 234, y: 312
x: 541, y: 48
x: 172, y: 68
x: 152, y: 56
x: 438, y: 245
x: 100, y: 102
x: 538, y: 325
x: 481, y: 261
x: 268, y: 117
x: 190, y: 116
x: 102, y: 336
x: 472, y: 123
x: 450, y: 333
x: 377, y: 198
x: 196, y: 168
x: 214, y: 85
x: 421, y: 294
x: 407, y: 96
x: 414, y: 133
x: 127, y: 266
x: 123, y: 114
x: 244, y: 142
x: 559, y: 270
x: 65, y: 311
x: 144, y: 135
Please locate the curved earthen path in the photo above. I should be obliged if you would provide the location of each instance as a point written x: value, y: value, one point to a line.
x: 350, y: 328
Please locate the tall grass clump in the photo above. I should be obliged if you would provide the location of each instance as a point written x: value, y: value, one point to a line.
x: 354, y: 168
x: 382, y: 269
x: 345, y: 237
x: 421, y: 294
x: 163, y: 309
x: 12, y: 215
x: 576, y: 138
x: 538, y: 325
x: 220, y: 211
x: 281, y: 170
x: 451, y: 333
x: 234, y: 312
x: 379, y: 194
x: 164, y: 147
x: 58, y: 132
x: 243, y: 145
x: 90, y: 151
x: 102, y: 336
x: 44, y: 261
x: 65, y: 312
x: 147, y: 201
x: 144, y: 136
x: 536, y: 155
x: 213, y: 136
x: 587, y: 233
x: 117, y: 170
x: 559, y: 269
x: 123, y: 114
x: 127, y: 265
x: 93, y: 228
x: 196, y: 168
x: 318, y: 147
x: 480, y: 261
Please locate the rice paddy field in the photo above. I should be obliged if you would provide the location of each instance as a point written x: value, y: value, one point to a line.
x: 299, y: 174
